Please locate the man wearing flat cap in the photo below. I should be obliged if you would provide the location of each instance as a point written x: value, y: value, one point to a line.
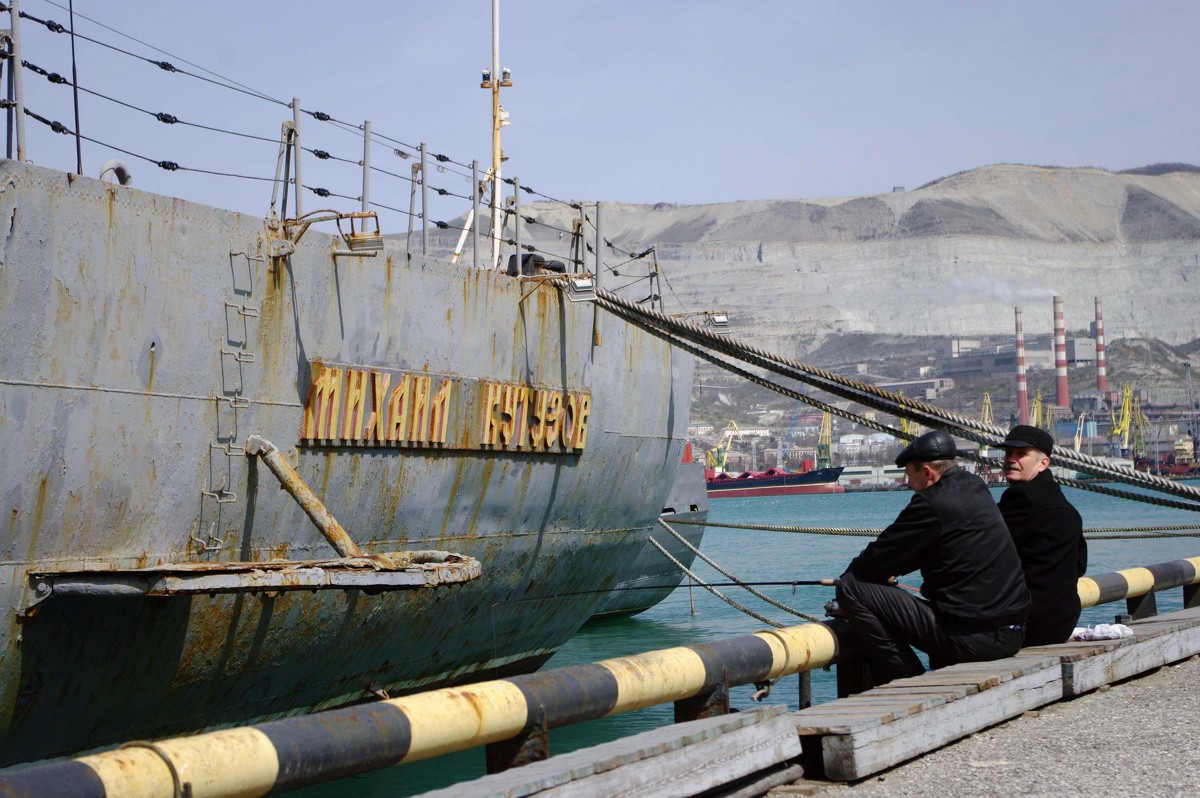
x: 1047, y: 532
x: 974, y: 601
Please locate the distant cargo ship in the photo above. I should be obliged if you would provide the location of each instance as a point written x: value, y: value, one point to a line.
x: 772, y: 482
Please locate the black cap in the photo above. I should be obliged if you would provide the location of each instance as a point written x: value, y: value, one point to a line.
x: 1024, y: 436
x: 935, y: 445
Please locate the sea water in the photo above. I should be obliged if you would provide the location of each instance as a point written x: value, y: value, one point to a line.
x: 692, y: 615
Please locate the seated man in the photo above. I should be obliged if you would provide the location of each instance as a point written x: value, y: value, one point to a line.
x: 1047, y: 532
x: 975, y: 601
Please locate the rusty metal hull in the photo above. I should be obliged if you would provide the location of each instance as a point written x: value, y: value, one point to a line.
x: 144, y: 339
x: 651, y: 577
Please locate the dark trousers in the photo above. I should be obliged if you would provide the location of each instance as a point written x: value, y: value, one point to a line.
x: 890, y: 621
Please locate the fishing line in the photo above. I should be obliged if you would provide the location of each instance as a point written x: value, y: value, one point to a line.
x: 780, y: 583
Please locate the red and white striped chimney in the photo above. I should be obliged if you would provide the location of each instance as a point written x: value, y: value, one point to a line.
x: 1101, y: 365
x: 1061, y: 397
x: 1022, y: 386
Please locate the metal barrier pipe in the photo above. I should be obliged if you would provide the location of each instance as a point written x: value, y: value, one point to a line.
x: 304, y: 496
x: 1132, y: 582
x: 287, y: 754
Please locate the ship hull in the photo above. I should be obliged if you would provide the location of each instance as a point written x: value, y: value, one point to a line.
x: 821, y: 480
x: 145, y: 338
x: 652, y: 576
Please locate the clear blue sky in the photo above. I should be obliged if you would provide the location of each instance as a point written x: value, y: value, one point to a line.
x: 646, y: 101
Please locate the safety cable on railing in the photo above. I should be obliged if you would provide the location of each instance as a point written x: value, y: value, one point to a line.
x: 170, y: 166
x: 733, y: 578
x: 161, y: 116
x: 227, y: 83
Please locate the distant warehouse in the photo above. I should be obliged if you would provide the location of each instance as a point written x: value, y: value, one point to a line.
x: 965, y: 358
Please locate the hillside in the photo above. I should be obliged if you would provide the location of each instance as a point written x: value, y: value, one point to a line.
x: 951, y: 258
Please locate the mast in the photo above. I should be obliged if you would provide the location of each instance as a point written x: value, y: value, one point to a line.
x: 495, y: 80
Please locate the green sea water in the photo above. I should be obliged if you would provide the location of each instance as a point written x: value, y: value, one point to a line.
x: 692, y: 615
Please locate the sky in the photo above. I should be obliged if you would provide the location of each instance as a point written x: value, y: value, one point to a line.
x: 615, y: 100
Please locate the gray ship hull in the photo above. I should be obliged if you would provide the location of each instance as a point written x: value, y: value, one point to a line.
x: 651, y: 577
x: 145, y: 338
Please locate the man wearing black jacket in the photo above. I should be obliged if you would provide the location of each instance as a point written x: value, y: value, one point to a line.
x: 975, y: 601
x: 1048, y: 534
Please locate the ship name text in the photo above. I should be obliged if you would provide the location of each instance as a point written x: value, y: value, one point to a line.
x: 375, y: 407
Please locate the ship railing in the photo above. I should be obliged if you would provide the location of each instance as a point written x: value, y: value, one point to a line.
x: 510, y: 717
x: 314, y: 160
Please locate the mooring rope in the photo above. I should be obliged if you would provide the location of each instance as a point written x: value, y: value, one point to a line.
x: 712, y: 589
x: 733, y: 578
x: 870, y: 424
x: 929, y: 415
x: 1096, y: 533
x: 1133, y: 477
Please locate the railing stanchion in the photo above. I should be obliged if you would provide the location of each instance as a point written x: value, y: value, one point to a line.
x: 705, y: 705
x: 1142, y: 606
x: 533, y: 745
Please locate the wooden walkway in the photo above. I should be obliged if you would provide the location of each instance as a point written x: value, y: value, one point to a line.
x: 747, y: 753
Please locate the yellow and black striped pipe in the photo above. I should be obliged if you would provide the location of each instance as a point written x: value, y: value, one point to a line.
x: 287, y: 754
x: 1134, y: 582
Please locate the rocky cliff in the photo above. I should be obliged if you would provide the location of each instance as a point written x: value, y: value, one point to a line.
x: 950, y: 258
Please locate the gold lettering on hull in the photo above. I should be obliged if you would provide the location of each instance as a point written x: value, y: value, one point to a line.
x: 526, y: 418
x: 349, y: 406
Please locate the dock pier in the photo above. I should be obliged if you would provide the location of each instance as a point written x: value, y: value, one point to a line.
x: 852, y: 739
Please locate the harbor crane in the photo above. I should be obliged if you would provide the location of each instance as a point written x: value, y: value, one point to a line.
x: 1122, y: 424
x: 1192, y: 416
x: 716, y: 458
x: 1137, y: 430
x: 825, y: 442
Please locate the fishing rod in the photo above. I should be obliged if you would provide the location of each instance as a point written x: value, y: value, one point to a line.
x: 780, y: 583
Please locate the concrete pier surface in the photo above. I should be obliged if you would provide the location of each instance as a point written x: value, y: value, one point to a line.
x: 1135, y: 738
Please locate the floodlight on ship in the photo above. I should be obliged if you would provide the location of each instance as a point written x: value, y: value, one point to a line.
x: 580, y: 288
x: 717, y: 321
x: 361, y: 241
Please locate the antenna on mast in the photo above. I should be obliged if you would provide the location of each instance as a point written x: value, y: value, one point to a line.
x: 496, y: 79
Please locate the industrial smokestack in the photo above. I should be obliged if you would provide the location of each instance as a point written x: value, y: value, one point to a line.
x: 1061, y: 398
x: 1022, y: 386
x: 1101, y: 366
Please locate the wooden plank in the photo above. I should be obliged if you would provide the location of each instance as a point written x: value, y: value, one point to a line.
x: 1192, y: 614
x: 679, y: 760
x: 977, y: 695
x: 835, y: 723
x: 1078, y: 649
x: 1143, y: 653
x: 860, y: 753
x: 948, y: 692
x: 895, y: 700
x: 1181, y: 619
